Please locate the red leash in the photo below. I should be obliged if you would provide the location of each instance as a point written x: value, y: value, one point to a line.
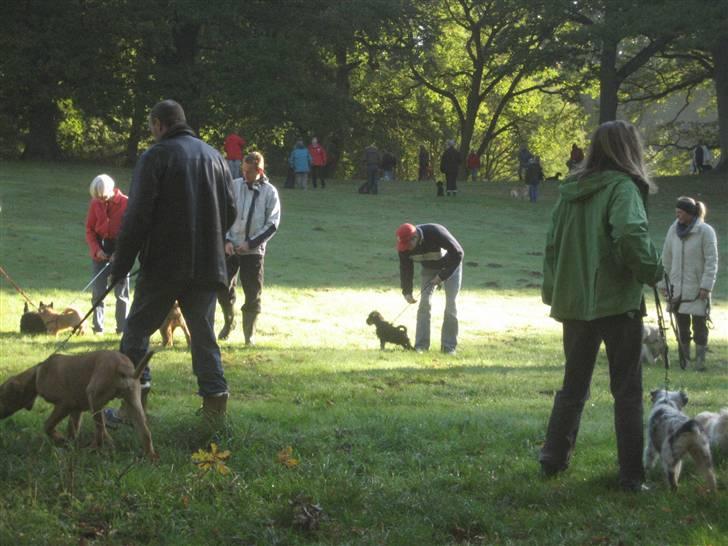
x: 20, y: 290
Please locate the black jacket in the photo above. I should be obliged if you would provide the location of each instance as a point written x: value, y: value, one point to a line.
x: 450, y: 161
x: 180, y: 206
x: 437, y: 249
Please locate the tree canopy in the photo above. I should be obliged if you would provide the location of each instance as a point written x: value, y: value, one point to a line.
x: 77, y: 77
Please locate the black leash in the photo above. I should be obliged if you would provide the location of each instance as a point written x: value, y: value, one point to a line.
x: 672, y: 308
x: 94, y: 305
x: 409, y: 304
x: 663, y: 334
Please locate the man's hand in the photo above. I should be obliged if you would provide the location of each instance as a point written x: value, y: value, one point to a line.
x: 101, y: 255
x: 409, y: 298
x: 436, y: 280
x: 704, y: 294
x: 229, y: 250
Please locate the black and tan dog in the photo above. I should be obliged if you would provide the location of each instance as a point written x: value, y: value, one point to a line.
x: 31, y: 322
x: 78, y: 383
x: 387, y: 332
x: 173, y: 321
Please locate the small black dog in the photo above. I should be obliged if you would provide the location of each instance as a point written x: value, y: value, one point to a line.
x: 440, y: 190
x: 388, y: 333
x: 31, y: 322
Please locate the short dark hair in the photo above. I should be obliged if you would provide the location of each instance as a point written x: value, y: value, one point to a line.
x: 168, y: 112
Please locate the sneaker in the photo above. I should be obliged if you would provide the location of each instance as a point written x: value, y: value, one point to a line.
x: 449, y: 352
x: 549, y: 470
x: 634, y: 487
x: 420, y: 350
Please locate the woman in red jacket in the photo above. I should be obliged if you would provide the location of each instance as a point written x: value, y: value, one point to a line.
x: 318, y: 162
x: 102, y: 226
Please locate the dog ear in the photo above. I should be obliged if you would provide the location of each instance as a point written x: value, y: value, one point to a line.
x: 25, y: 307
x: 653, y: 395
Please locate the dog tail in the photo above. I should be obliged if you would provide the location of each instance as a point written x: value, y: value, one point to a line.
x: 142, y: 364
x: 689, y: 434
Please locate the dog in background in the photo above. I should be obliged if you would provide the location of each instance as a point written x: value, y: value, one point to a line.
x: 31, y: 322
x: 716, y: 427
x: 388, y: 333
x: 440, y: 188
x: 521, y: 192
x: 56, y: 322
x: 554, y: 178
x: 78, y: 383
x: 672, y: 434
x: 173, y: 321
x: 653, y: 344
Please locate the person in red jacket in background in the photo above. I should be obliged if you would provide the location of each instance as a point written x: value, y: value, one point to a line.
x: 473, y: 164
x: 318, y: 161
x: 102, y: 226
x: 234, y: 148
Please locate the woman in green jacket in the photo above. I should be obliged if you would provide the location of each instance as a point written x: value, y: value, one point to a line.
x: 598, y: 258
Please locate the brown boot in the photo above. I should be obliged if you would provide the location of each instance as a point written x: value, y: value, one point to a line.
x: 214, y: 409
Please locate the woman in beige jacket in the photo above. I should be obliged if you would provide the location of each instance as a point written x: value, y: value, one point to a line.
x: 690, y: 257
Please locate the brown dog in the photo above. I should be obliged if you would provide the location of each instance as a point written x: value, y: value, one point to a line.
x: 173, y: 321
x: 77, y: 383
x: 55, y: 322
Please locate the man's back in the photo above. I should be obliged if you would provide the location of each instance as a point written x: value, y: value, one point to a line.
x: 180, y: 206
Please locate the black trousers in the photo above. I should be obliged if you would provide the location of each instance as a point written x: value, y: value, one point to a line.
x: 317, y: 171
x: 152, y: 302
x: 249, y: 267
x: 622, y: 337
x: 700, y: 329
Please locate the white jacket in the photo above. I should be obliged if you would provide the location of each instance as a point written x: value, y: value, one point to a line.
x: 259, y: 213
x: 691, y: 264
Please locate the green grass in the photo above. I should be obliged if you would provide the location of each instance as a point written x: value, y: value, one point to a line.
x: 395, y: 448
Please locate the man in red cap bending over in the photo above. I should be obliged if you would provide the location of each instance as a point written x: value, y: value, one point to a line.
x: 441, y: 256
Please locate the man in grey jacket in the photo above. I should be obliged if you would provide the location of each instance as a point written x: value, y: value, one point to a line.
x: 259, y: 213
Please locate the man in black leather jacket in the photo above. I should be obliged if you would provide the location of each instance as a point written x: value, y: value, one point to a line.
x: 180, y: 206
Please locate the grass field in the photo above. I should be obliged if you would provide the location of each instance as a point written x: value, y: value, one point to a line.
x: 331, y: 440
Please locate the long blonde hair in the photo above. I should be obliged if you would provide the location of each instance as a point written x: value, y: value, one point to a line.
x: 617, y: 145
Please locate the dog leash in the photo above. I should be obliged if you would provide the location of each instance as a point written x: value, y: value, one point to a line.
x: 409, y: 304
x: 19, y: 290
x: 89, y: 284
x: 669, y: 288
x: 662, y: 327
x: 94, y: 305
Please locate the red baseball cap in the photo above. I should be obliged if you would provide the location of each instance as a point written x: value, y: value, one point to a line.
x: 405, y: 232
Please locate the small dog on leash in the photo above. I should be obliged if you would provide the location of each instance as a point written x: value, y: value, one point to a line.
x: 716, y: 427
x: 31, y: 322
x: 78, y: 383
x: 56, y: 322
x: 387, y: 332
x: 672, y: 434
x: 173, y: 321
x: 440, y: 188
x: 520, y: 192
x: 653, y: 344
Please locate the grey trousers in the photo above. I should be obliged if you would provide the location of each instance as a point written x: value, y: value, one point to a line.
x: 449, y: 336
x: 121, y: 292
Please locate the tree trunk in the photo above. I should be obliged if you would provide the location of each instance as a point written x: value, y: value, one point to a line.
x: 608, y: 81
x: 42, y: 139
x: 720, y: 76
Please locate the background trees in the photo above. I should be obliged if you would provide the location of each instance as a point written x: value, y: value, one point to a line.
x: 77, y: 77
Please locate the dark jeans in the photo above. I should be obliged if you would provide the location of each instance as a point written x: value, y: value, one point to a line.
x: 250, y: 268
x: 121, y: 293
x: 533, y: 192
x: 152, y: 302
x: 699, y: 333
x: 622, y: 336
x: 373, y: 180
x: 317, y: 171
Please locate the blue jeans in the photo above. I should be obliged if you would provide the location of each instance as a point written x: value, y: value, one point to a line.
x: 533, y: 192
x: 121, y: 292
x: 474, y: 173
x: 373, y: 179
x: 151, y: 304
x: 234, y: 165
x: 449, y: 336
